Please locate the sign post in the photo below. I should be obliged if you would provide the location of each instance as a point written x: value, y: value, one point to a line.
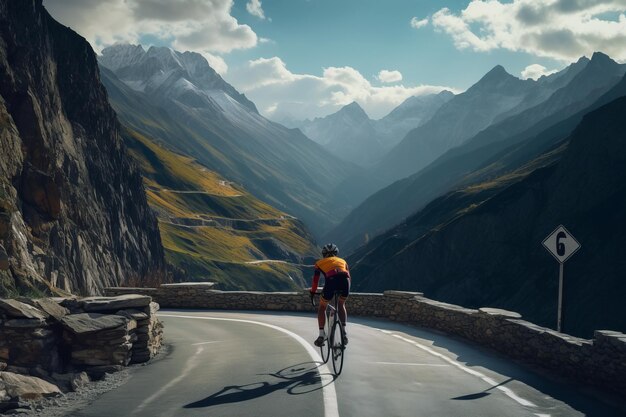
x: 562, y: 245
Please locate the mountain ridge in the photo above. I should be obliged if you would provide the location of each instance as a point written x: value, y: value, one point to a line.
x: 490, y: 233
x: 351, y: 134
x: 148, y: 68
x: 278, y: 165
x: 390, y: 204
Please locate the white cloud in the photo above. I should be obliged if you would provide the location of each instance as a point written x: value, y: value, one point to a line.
x: 418, y: 23
x: 386, y: 76
x: 535, y: 71
x: 216, y: 62
x: 201, y: 25
x: 254, y: 8
x: 560, y: 29
x: 280, y: 93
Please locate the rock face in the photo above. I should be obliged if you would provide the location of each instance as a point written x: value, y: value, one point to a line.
x: 73, y: 212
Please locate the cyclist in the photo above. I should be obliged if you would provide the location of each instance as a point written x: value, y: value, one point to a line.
x: 336, y: 278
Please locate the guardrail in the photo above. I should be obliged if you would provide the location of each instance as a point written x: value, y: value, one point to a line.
x: 600, y: 362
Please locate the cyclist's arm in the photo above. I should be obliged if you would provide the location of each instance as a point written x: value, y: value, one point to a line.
x: 316, y: 280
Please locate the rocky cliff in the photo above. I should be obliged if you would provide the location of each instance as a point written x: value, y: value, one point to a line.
x: 73, y: 211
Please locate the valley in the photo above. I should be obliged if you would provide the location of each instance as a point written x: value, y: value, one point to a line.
x: 214, y: 230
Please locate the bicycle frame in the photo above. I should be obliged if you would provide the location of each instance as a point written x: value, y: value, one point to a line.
x: 335, y: 335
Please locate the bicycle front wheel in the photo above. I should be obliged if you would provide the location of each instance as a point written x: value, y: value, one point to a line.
x: 337, y: 348
x: 325, y: 348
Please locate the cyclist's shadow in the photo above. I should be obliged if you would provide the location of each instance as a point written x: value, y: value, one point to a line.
x: 296, y: 379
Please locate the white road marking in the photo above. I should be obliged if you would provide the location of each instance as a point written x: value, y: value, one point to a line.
x: 188, y: 367
x: 205, y: 343
x: 411, y: 364
x: 485, y: 378
x: 328, y: 388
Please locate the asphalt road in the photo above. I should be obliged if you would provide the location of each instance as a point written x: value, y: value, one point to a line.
x: 261, y: 364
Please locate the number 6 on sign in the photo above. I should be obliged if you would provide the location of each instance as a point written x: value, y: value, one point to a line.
x: 561, y: 244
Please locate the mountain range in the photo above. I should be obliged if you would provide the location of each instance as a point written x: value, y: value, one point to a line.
x: 351, y: 135
x: 581, y: 84
x: 480, y: 244
x: 197, y: 113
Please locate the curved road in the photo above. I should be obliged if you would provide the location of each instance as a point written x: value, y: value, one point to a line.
x: 264, y: 364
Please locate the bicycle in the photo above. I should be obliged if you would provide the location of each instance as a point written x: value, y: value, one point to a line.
x: 335, y: 337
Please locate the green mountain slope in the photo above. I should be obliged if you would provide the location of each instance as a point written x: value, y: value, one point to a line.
x: 213, y: 229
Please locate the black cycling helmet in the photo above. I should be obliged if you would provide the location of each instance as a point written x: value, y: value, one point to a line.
x: 330, y: 249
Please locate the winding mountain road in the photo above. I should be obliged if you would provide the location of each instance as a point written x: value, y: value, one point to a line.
x: 264, y: 364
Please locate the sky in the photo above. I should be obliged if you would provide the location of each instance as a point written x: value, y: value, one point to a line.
x: 300, y: 59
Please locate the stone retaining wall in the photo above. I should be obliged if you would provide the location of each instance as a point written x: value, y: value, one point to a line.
x: 52, y: 338
x: 600, y: 362
x: 54, y: 345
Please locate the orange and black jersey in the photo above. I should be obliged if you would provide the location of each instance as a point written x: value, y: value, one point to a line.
x: 330, y: 267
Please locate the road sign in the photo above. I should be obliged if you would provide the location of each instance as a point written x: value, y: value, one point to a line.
x: 561, y: 244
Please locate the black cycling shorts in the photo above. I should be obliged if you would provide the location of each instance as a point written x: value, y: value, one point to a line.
x: 339, y: 282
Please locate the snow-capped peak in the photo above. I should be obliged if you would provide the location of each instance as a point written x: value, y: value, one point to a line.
x: 121, y: 55
x: 164, y: 71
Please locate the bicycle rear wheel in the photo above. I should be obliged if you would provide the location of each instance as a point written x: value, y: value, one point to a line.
x: 337, y: 347
x: 325, y: 348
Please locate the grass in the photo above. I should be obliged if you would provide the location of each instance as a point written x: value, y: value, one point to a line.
x: 219, y: 251
x: 516, y: 175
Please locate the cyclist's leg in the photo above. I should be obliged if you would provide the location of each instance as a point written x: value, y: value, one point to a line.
x: 343, y: 284
x: 321, y: 311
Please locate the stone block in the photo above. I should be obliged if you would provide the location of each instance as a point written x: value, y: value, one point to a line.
x: 610, y: 339
x: 402, y: 294
x: 17, y: 309
x: 99, y: 372
x: 133, y: 314
x: 24, y: 323
x: 51, y: 307
x: 27, y: 387
x: 63, y: 380
x: 86, y: 323
x: 121, y: 302
x: 497, y: 312
x: 79, y: 381
x: 188, y: 285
